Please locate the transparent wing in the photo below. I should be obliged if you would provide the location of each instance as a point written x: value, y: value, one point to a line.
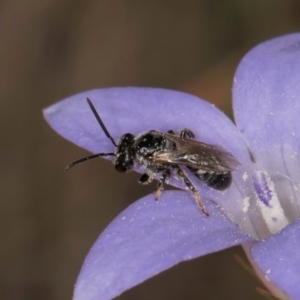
x: 196, y: 155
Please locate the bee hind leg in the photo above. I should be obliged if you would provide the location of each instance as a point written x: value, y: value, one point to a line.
x: 191, y: 187
x: 161, y: 183
x: 187, y: 134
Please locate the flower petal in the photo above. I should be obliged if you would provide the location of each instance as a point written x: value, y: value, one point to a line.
x: 149, y: 237
x: 137, y: 110
x: 267, y: 106
x: 279, y: 259
x: 267, y: 96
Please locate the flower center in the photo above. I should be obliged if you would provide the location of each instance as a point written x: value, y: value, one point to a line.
x: 268, y: 202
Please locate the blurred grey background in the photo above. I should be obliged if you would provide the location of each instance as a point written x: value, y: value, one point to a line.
x: 50, y: 49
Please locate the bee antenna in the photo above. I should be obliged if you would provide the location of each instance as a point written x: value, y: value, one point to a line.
x: 79, y: 161
x: 100, y: 121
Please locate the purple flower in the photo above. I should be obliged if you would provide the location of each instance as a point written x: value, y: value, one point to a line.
x: 261, y: 208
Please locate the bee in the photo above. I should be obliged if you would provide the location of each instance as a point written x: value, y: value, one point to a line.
x: 165, y: 154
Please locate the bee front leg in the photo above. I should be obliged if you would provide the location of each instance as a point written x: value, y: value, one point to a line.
x: 145, y: 179
x: 161, y: 183
x: 191, y: 187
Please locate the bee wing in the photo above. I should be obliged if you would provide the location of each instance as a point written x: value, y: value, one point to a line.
x: 197, y: 155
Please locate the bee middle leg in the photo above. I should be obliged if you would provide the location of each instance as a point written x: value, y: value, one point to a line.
x: 161, y: 183
x: 191, y: 187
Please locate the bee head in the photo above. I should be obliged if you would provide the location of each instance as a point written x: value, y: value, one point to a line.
x: 124, y: 160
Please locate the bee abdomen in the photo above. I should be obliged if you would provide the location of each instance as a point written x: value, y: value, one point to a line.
x: 218, y: 181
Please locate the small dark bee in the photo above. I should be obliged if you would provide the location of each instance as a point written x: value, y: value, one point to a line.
x: 164, y: 154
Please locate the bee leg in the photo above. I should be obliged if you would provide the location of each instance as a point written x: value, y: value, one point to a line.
x: 191, y: 187
x: 187, y: 134
x: 171, y: 132
x: 145, y: 179
x: 161, y: 183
